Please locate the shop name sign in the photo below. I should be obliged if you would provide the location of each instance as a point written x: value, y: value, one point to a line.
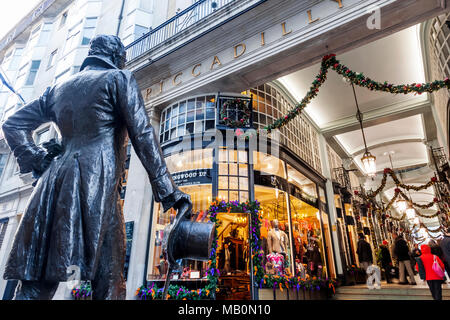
x: 191, y: 177
x: 306, y: 21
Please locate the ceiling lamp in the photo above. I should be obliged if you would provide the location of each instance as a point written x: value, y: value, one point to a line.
x: 368, y: 160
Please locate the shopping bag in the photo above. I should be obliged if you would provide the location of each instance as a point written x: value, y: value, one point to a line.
x: 437, y: 268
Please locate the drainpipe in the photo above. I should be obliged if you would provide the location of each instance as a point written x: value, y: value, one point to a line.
x: 120, y: 17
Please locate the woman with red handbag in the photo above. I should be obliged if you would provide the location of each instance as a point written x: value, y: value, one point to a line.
x: 434, y: 271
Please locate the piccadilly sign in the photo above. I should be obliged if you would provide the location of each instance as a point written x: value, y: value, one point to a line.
x: 303, y: 22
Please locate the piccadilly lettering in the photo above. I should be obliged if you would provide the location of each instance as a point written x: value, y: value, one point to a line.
x: 238, y: 50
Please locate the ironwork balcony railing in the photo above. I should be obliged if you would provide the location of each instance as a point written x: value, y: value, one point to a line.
x: 173, y: 26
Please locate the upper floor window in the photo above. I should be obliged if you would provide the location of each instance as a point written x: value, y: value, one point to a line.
x: 51, y: 60
x: 139, y: 31
x: 63, y: 20
x: 45, y: 34
x: 63, y: 75
x: 42, y: 136
x: 72, y: 37
x: 33, y: 71
x: 3, y: 158
x: 15, y: 59
x: 34, y: 37
x: 88, y: 30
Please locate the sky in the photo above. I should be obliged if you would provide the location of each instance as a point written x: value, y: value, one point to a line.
x: 12, y: 12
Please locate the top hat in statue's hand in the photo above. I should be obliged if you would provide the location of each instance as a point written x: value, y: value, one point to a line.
x: 186, y: 239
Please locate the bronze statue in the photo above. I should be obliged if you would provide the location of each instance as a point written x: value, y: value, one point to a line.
x: 73, y: 217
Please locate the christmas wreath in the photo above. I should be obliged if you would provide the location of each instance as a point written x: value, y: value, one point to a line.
x: 239, y: 105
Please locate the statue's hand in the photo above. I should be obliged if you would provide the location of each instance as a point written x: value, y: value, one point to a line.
x: 183, y: 205
x: 53, y: 150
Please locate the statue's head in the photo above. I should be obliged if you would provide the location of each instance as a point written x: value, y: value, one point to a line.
x: 108, y: 47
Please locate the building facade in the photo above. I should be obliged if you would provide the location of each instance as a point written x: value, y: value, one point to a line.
x: 195, y: 61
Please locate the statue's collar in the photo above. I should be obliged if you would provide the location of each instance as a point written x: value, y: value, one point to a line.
x: 97, y: 61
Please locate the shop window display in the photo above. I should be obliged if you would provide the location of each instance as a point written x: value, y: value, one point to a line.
x: 275, y: 231
x: 201, y: 198
x: 308, y: 243
x: 194, y: 169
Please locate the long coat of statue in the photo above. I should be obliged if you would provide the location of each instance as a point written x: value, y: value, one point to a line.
x: 73, y: 216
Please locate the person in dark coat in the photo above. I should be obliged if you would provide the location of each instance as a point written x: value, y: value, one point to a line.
x: 364, y: 252
x: 445, y: 246
x: 401, y: 253
x: 73, y: 217
x: 386, y: 261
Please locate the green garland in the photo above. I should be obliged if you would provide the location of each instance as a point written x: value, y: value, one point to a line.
x: 239, y: 104
x: 181, y: 292
x: 359, y: 79
x: 208, y: 292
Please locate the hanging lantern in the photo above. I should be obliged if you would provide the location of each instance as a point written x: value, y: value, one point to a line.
x: 368, y: 161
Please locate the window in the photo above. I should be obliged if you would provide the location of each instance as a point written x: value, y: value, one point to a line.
x: 15, y: 60
x: 34, y: 37
x: 63, y: 75
x: 51, y: 60
x: 21, y: 76
x: 45, y: 34
x: 186, y: 117
x: 3, y: 226
x: 33, y: 71
x: 3, y: 158
x: 72, y: 38
x: 233, y: 175
x: 63, y: 20
x: 88, y: 30
x: 139, y: 31
x: 42, y: 136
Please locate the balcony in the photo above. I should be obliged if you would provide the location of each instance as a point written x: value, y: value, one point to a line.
x: 179, y: 23
x: 188, y: 25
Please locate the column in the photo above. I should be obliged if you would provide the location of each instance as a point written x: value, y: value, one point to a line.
x: 331, y: 206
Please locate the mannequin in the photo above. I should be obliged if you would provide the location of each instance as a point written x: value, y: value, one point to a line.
x: 277, y: 239
x: 277, y: 245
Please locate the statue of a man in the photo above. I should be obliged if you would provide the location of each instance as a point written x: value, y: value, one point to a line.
x: 73, y: 217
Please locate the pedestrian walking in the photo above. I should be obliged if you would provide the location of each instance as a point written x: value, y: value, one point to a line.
x: 401, y: 253
x: 434, y: 271
x: 386, y: 261
x: 364, y: 252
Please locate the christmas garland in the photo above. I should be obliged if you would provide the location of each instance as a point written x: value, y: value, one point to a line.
x: 240, y: 105
x: 398, y: 184
x: 359, y: 79
x: 181, y: 292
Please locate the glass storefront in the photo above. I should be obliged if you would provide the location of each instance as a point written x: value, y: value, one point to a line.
x: 295, y: 231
